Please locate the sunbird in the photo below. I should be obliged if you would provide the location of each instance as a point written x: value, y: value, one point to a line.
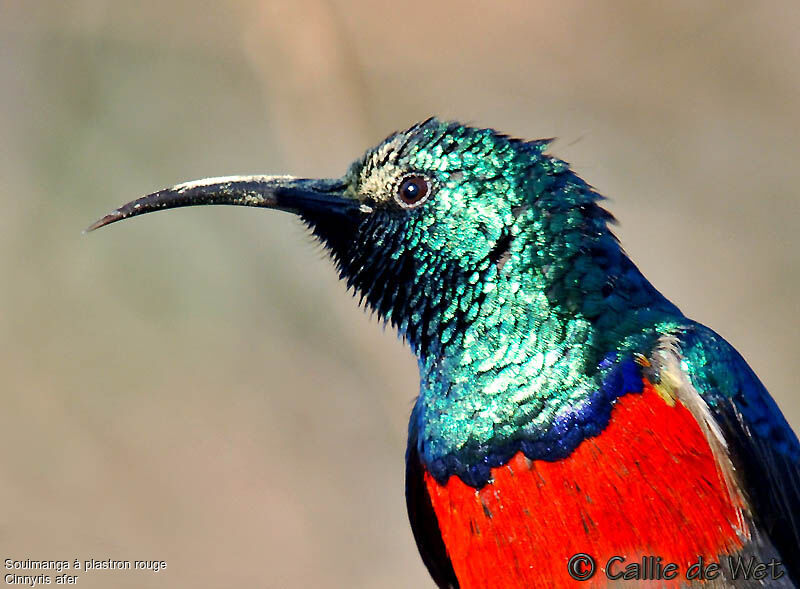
x: 571, y: 422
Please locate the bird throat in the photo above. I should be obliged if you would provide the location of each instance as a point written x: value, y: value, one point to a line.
x: 532, y: 350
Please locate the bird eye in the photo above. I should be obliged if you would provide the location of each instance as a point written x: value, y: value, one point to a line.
x: 412, y: 191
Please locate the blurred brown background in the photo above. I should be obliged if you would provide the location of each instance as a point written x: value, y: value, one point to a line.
x: 196, y: 386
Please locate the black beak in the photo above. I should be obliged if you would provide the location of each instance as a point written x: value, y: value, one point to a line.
x: 295, y: 195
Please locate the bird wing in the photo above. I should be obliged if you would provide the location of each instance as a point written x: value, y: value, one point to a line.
x: 424, y: 523
x: 736, y: 412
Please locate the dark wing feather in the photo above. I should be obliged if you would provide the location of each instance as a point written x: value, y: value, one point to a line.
x: 764, y: 449
x: 424, y: 523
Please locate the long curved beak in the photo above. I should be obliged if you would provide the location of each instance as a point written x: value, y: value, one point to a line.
x: 285, y: 193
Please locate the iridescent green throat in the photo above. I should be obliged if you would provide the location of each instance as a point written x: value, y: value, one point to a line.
x: 528, y: 342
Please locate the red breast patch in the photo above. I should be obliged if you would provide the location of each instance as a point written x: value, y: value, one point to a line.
x: 648, y: 485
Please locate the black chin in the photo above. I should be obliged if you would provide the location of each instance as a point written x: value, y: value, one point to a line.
x: 339, y: 233
x: 365, y: 250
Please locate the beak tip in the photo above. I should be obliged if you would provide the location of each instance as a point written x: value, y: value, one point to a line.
x: 110, y: 218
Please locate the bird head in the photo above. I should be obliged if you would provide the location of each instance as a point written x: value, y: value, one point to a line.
x: 428, y: 222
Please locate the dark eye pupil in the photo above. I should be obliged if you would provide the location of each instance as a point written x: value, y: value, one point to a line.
x: 413, y: 189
